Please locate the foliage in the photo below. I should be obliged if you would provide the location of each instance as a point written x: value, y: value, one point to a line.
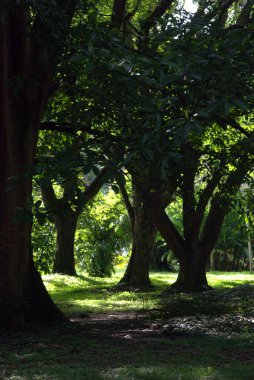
x: 230, y: 252
x: 162, y: 257
x: 44, y: 245
x: 103, y: 234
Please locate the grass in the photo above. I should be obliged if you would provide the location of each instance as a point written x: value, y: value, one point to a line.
x: 84, y: 294
x: 165, y: 345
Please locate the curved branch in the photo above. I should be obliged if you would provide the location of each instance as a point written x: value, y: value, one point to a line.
x: 95, y: 185
x: 232, y: 123
x: 127, y: 202
x: 158, y: 12
x: 222, y: 202
x: 172, y: 237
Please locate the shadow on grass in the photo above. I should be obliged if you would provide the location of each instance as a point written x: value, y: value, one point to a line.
x: 84, y: 353
x: 125, y: 346
x: 91, y: 280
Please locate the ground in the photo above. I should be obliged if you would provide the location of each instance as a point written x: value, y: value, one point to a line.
x: 186, y: 337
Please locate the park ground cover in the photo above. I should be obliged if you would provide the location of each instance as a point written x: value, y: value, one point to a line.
x: 139, y: 335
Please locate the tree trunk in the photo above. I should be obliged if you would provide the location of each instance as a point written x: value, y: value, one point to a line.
x: 143, y: 232
x: 192, y: 273
x: 23, y: 297
x: 64, y: 260
x: 212, y: 266
x: 250, y: 254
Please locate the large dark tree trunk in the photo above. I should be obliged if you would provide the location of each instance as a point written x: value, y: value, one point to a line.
x: 143, y: 234
x: 64, y: 259
x: 23, y: 297
x: 192, y: 273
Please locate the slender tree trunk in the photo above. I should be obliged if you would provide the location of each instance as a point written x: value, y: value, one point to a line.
x: 64, y: 260
x: 250, y: 253
x: 212, y: 266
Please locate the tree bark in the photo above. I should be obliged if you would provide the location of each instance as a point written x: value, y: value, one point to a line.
x: 23, y: 297
x: 250, y: 252
x: 192, y: 272
x: 64, y: 259
x: 143, y: 233
x: 65, y: 220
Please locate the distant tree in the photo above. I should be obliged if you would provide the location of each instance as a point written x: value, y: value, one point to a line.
x: 204, y: 208
x: 103, y: 234
x: 65, y: 212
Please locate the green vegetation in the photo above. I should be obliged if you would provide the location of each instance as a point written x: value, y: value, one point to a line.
x: 126, y: 143
x: 136, y: 335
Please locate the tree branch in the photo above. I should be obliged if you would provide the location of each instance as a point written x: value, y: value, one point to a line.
x: 48, y: 195
x: 222, y: 202
x: 67, y: 128
x: 234, y: 124
x: 203, y: 202
x: 172, y: 237
x: 220, y: 10
x: 244, y: 17
x: 118, y: 13
x: 95, y: 185
x: 53, y: 126
x: 127, y: 202
x: 188, y: 187
x: 133, y: 12
x: 158, y: 12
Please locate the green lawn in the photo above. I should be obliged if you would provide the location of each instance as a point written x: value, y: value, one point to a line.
x: 158, y: 336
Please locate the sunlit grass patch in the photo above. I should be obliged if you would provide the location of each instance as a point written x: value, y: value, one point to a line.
x: 94, y: 294
x: 84, y: 294
x: 230, y: 279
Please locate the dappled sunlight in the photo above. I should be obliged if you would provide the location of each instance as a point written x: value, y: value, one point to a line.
x: 93, y: 294
x: 125, y: 335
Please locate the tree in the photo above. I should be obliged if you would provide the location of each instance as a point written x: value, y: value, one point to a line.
x: 66, y: 210
x: 246, y: 197
x: 143, y: 233
x: 184, y: 76
x: 100, y: 118
x: 32, y: 36
x: 103, y: 234
x: 230, y: 251
x: 200, y: 232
